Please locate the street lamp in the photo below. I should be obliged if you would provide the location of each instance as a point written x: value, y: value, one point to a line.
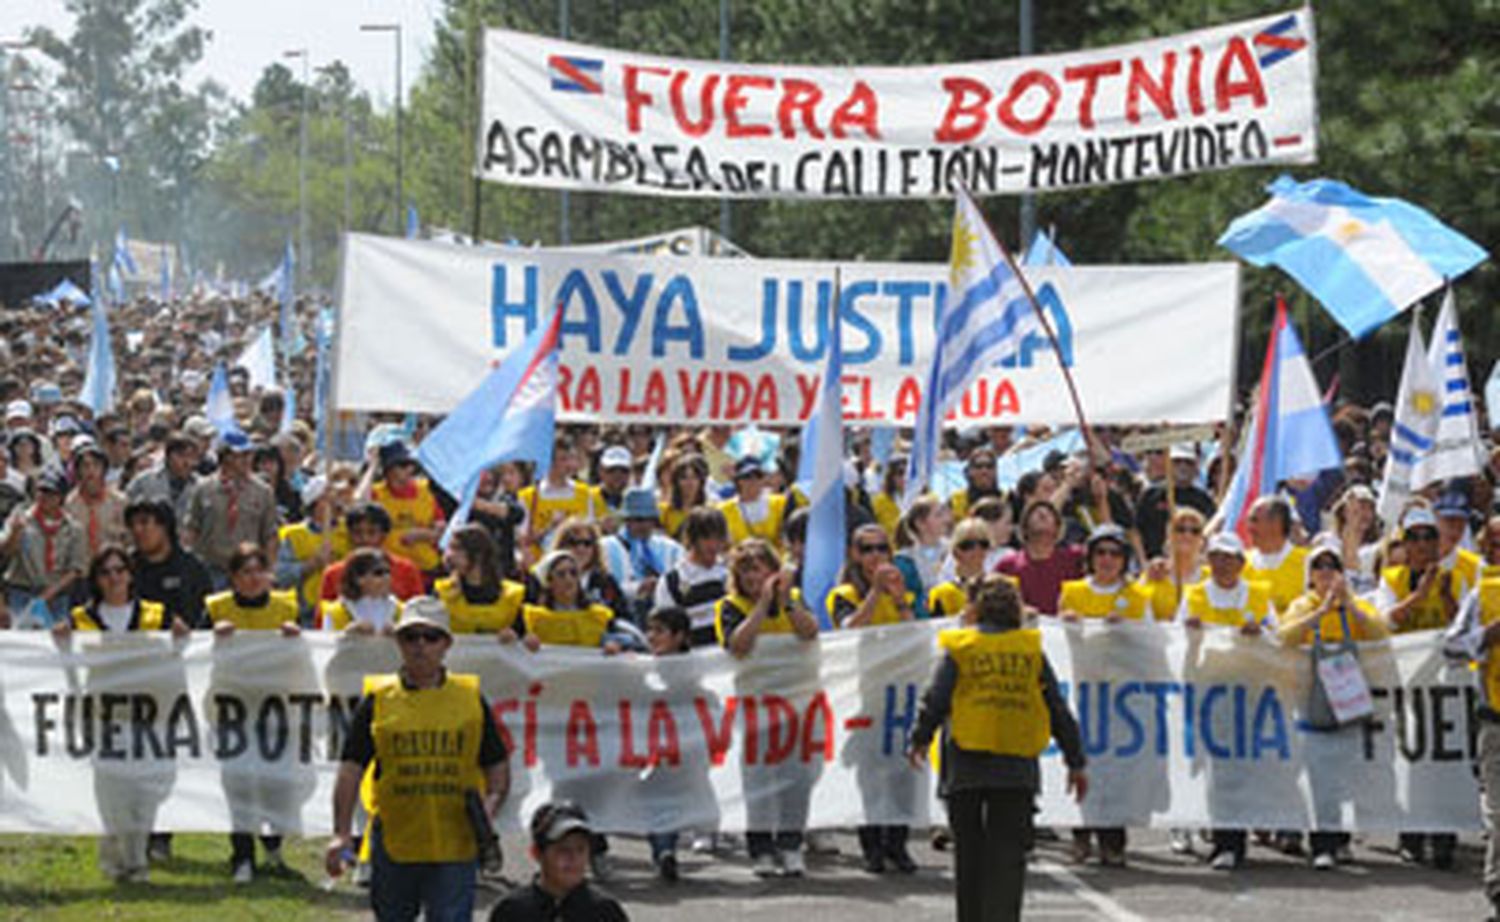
x: 394, y: 28
x: 304, y: 254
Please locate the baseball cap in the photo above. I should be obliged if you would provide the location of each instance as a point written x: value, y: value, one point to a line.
x: 615, y: 456
x: 1183, y: 452
x: 424, y: 611
x: 1418, y: 517
x: 17, y: 409
x: 314, y: 489
x: 235, y: 442
x: 748, y: 466
x: 1226, y: 542
x: 1451, y: 505
x: 555, y: 821
x: 639, y: 503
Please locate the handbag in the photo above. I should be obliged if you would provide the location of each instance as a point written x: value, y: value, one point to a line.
x: 1338, y: 695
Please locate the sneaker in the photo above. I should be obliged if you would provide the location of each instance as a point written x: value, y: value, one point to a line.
x: 1225, y: 861
x: 1411, y: 856
x: 703, y: 844
x: 364, y: 872
x: 666, y: 867
x: 1182, y: 842
x: 600, y: 866
x: 244, y: 872
x: 1324, y: 862
x: 792, y: 864
x: 766, y: 866
x: 820, y: 842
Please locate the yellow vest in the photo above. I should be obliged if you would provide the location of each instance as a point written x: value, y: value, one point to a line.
x: 1286, y: 581
x: 336, y: 615
x: 280, y: 609
x: 886, y: 610
x: 1257, y: 605
x: 1129, y: 601
x: 427, y: 748
x: 768, y: 528
x: 780, y: 624
x: 672, y: 519
x: 150, y: 616
x: 417, y: 512
x: 1467, y: 571
x: 1489, y: 611
x: 475, y: 618
x: 887, y: 513
x: 579, y: 627
x: 946, y: 600
x: 1165, y: 598
x: 997, y: 701
x: 1427, y: 614
x: 304, y: 543
x: 1331, y: 626
x: 543, y: 513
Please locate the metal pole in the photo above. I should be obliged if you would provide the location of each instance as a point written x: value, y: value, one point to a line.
x: 400, y: 180
x: 564, y: 228
x: 726, y: 212
x: 304, y: 255
x: 1028, y: 200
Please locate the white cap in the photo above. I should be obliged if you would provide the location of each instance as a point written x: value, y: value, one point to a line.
x: 1226, y: 542
x: 314, y: 490
x: 615, y: 456
x: 17, y: 409
x: 1418, y: 517
x: 424, y: 611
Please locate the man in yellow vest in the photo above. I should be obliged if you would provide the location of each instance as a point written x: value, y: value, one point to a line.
x: 1000, y: 696
x: 1274, y: 560
x: 1452, y: 513
x: 754, y: 511
x: 435, y: 747
x: 1473, y: 636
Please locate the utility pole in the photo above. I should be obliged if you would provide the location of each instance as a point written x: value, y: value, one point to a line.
x: 395, y: 29
x: 304, y: 253
x: 1028, y: 199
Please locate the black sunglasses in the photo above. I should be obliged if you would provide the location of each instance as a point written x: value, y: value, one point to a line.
x: 971, y: 544
x: 874, y: 548
x: 422, y: 636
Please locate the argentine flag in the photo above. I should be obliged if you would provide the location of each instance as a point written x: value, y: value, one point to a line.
x: 98, y: 392
x: 987, y: 317
x: 1456, y: 447
x: 1365, y: 259
x: 824, y: 444
x: 1288, y: 434
x: 510, y: 416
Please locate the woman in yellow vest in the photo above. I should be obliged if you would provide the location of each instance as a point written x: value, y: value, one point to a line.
x: 967, y: 554
x: 753, y: 512
x: 1000, y: 698
x: 309, y: 546
x: 763, y: 600
x: 886, y: 504
x: 365, y: 604
x: 561, y: 616
x: 556, y: 497
x: 1418, y: 594
x: 477, y: 599
x: 416, y: 517
x: 1330, y: 610
x: 687, y: 489
x: 250, y: 605
x: 127, y: 796
x: 871, y: 593
x: 1105, y: 592
x: 1168, y: 579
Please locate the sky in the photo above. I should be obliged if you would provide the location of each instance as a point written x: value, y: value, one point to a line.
x: 248, y: 35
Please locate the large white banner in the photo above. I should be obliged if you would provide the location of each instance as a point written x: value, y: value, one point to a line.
x: 1181, y: 728
x: 562, y: 115
x: 686, y: 339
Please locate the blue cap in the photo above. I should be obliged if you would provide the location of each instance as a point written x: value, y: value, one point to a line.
x: 639, y: 503
x: 235, y: 441
x: 1451, y: 505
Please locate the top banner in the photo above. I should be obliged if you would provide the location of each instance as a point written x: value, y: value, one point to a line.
x: 561, y: 115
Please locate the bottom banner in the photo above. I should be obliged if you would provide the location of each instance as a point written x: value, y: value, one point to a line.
x: 1182, y: 728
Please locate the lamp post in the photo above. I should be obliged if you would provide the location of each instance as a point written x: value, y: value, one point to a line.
x: 304, y: 254
x: 395, y: 28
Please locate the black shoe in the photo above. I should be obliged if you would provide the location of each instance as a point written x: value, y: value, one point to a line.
x: 666, y: 868
x: 874, y: 863
x: 1442, y: 859
x: 901, y: 859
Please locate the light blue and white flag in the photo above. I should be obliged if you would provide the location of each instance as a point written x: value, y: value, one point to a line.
x: 653, y: 463
x: 510, y: 416
x: 218, y: 408
x: 98, y: 392
x: 122, y: 260
x: 288, y: 408
x: 1044, y: 252
x: 1418, y: 403
x: 63, y: 291
x: 985, y: 321
x: 1492, y: 395
x: 1365, y: 259
x: 166, y: 273
x: 323, y: 333
x: 1455, y: 446
x: 826, y: 535
x: 292, y: 340
x: 259, y: 359
x: 413, y: 222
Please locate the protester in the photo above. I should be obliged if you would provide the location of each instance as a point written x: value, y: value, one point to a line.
x: 999, y: 727
x: 885, y: 505
x: 416, y: 517
x: 668, y: 633
x: 97, y: 507
x: 753, y: 511
x: 921, y: 546
x: 422, y: 841
x: 478, y: 600
x: 365, y: 604
x: 560, y: 842
x: 1166, y: 579
x: 687, y: 477
x: 1158, y: 506
x: 979, y: 482
x: 1274, y: 559
x: 164, y: 572
x: 637, y: 554
x: 615, y: 466
x: 1472, y: 638
x: 700, y: 578
x: 562, y: 615
x: 1041, y: 565
x: 46, y: 550
x: 230, y: 509
x: 369, y: 526
x: 558, y: 497
x: 1106, y: 592
x: 580, y: 538
x: 308, y: 546
x: 967, y: 553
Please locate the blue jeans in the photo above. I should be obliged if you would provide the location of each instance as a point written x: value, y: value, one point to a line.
x: 442, y: 892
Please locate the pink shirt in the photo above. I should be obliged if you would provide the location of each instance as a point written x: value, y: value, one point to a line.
x: 1041, y: 580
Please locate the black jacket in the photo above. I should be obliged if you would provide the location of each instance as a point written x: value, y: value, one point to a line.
x: 533, y: 904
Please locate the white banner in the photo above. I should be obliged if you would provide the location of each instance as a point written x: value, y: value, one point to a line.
x: 562, y: 115
x: 1183, y: 729
x: 688, y: 339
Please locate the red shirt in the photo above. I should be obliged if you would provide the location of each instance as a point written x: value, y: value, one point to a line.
x: 1041, y: 580
x: 406, y: 579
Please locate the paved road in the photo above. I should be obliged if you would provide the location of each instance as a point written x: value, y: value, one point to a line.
x: 1157, y: 886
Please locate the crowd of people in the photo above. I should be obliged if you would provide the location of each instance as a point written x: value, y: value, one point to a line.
x: 661, y: 539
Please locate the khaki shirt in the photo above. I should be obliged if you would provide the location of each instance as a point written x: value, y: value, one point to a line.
x: 28, y: 565
x: 214, y: 538
x: 101, y: 523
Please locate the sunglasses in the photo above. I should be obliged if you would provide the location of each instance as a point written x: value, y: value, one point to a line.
x: 874, y: 548
x: 972, y: 544
x: 377, y: 571
x: 578, y: 542
x: 422, y: 636
x: 1422, y: 535
x: 1324, y: 563
x: 982, y: 466
x: 1188, y: 530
